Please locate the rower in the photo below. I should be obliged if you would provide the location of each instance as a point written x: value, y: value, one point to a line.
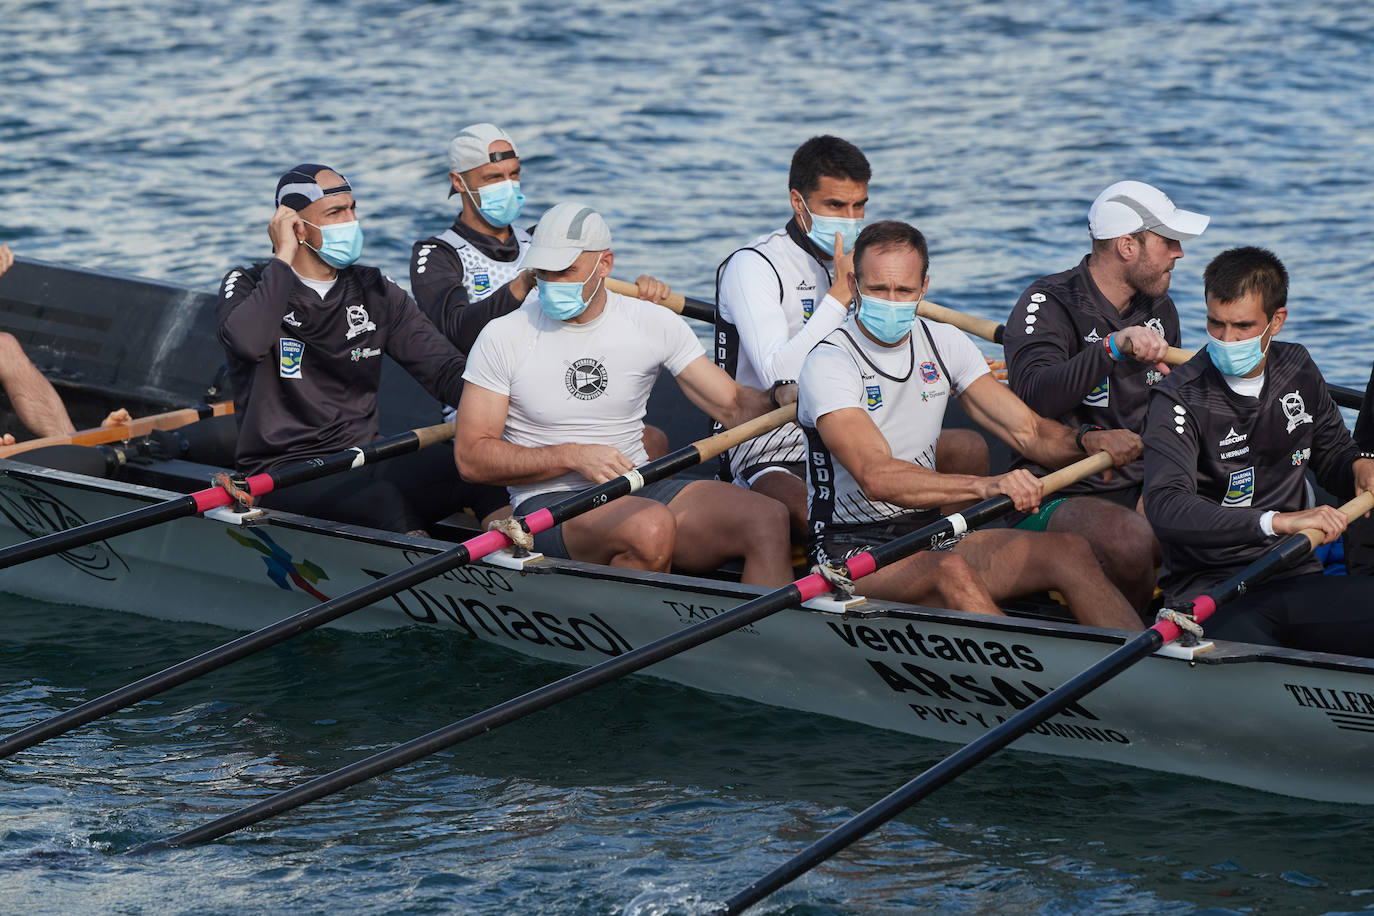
x: 555, y: 402
x: 1084, y: 346
x: 304, y: 334
x: 473, y: 271
x: 1229, y: 438
x: 785, y: 291
x: 872, y: 399
x: 1359, y: 537
x: 33, y: 397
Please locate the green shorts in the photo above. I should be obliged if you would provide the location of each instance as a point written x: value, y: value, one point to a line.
x: 1040, y: 519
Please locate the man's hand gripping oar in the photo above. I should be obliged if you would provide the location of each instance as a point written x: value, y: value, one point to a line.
x: 804, y: 589
x: 970, y: 755
x: 466, y: 552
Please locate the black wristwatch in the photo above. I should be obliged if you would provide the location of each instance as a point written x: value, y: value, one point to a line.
x: 773, y: 389
x: 1083, y: 431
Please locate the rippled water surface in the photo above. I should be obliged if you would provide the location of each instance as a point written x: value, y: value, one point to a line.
x: 146, y: 138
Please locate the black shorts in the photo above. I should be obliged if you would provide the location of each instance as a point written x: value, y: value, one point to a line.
x: 1129, y: 497
x: 1313, y: 612
x: 747, y: 476
x: 840, y: 542
x: 406, y: 493
x: 550, y: 543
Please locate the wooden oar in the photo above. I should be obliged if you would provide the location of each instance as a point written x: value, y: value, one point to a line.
x: 119, y: 432
x: 969, y: 756
x: 215, y: 497
x: 466, y: 552
x: 690, y: 308
x: 804, y: 589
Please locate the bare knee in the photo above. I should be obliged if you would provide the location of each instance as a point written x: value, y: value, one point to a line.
x: 962, y: 451
x: 649, y: 535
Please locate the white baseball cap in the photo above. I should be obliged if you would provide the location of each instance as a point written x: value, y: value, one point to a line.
x: 472, y: 147
x: 1130, y: 206
x: 565, y: 231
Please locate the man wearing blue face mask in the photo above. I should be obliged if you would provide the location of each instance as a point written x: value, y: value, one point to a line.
x: 872, y: 401
x: 555, y: 400
x: 1229, y: 437
x: 304, y: 334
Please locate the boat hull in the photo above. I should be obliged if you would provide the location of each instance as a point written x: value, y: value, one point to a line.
x: 1290, y: 722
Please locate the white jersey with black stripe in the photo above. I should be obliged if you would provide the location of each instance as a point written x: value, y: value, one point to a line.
x: 903, y: 389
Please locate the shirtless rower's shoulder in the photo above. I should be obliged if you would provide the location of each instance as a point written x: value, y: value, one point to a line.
x: 555, y: 401
x: 1085, y: 346
x: 872, y: 401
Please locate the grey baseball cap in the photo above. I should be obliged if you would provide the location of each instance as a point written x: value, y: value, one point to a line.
x: 472, y: 147
x: 564, y: 232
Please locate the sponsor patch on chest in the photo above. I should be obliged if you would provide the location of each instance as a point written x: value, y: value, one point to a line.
x: 1099, y: 396
x: 1240, y: 488
x: 292, y: 357
x: 875, y: 396
x: 808, y: 308
x: 481, y: 283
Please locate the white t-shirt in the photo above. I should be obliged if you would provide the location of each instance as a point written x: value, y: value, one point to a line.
x: 903, y: 389
x: 585, y: 383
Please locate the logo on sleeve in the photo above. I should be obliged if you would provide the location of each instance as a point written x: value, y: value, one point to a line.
x: 229, y: 282
x: 481, y: 283
x: 586, y: 379
x: 292, y: 354
x: 1295, y: 410
x: 1099, y: 396
x: 929, y: 374
x: 1037, y: 298
x: 1240, y: 488
x: 875, y: 396
x: 1179, y: 415
x: 358, y: 322
x: 422, y: 258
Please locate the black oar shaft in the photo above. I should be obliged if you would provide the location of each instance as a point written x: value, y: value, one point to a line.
x: 60, y: 541
x: 570, y: 686
x: 232, y: 651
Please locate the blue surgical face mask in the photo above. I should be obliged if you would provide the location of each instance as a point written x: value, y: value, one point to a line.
x: 500, y: 202
x: 823, y: 229
x: 1237, y: 357
x: 562, y: 300
x: 887, y: 321
x: 340, y: 243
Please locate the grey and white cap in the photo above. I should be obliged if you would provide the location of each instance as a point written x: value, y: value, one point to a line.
x: 472, y: 147
x: 565, y: 231
x: 1130, y: 206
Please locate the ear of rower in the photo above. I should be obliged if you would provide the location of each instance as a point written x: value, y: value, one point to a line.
x: 946, y: 771
x: 804, y: 589
x: 470, y: 550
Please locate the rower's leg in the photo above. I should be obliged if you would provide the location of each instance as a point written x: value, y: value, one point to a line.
x: 937, y: 578
x: 655, y: 442
x: 962, y: 451
x: 790, y: 490
x: 33, y: 396
x: 630, y: 532
x: 1122, y: 541
x: 1018, y: 562
x: 719, y: 521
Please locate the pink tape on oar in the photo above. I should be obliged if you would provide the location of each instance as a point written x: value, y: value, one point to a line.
x: 218, y: 497
x: 1203, y: 607
x: 539, y: 521
x: 486, y: 543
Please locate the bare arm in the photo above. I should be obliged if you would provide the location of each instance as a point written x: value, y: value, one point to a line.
x: 856, y: 442
x: 483, y: 456
x: 722, y: 398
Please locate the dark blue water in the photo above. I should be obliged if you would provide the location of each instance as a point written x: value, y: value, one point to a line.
x: 146, y: 138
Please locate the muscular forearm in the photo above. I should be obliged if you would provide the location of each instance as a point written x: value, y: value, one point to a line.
x: 496, y: 461
x: 903, y: 483
x: 1052, y: 445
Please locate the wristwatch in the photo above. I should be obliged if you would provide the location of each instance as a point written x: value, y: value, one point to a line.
x: 1083, y: 431
x: 773, y: 389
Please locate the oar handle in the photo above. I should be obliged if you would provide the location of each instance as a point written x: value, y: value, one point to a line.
x: 689, y: 308
x: 969, y: 324
x: 1358, y: 506
x: 120, y: 432
x: 426, y: 436
x: 1072, y: 473
x: 711, y: 447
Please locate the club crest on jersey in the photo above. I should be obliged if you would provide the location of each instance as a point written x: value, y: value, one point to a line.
x: 1295, y: 410
x: 1240, y: 488
x: 1099, y: 396
x: 358, y: 322
x: 481, y: 283
x: 1154, y: 324
x: 292, y: 355
x: 929, y: 374
x: 586, y: 379
x: 875, y: 396
x: 808, y: 308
